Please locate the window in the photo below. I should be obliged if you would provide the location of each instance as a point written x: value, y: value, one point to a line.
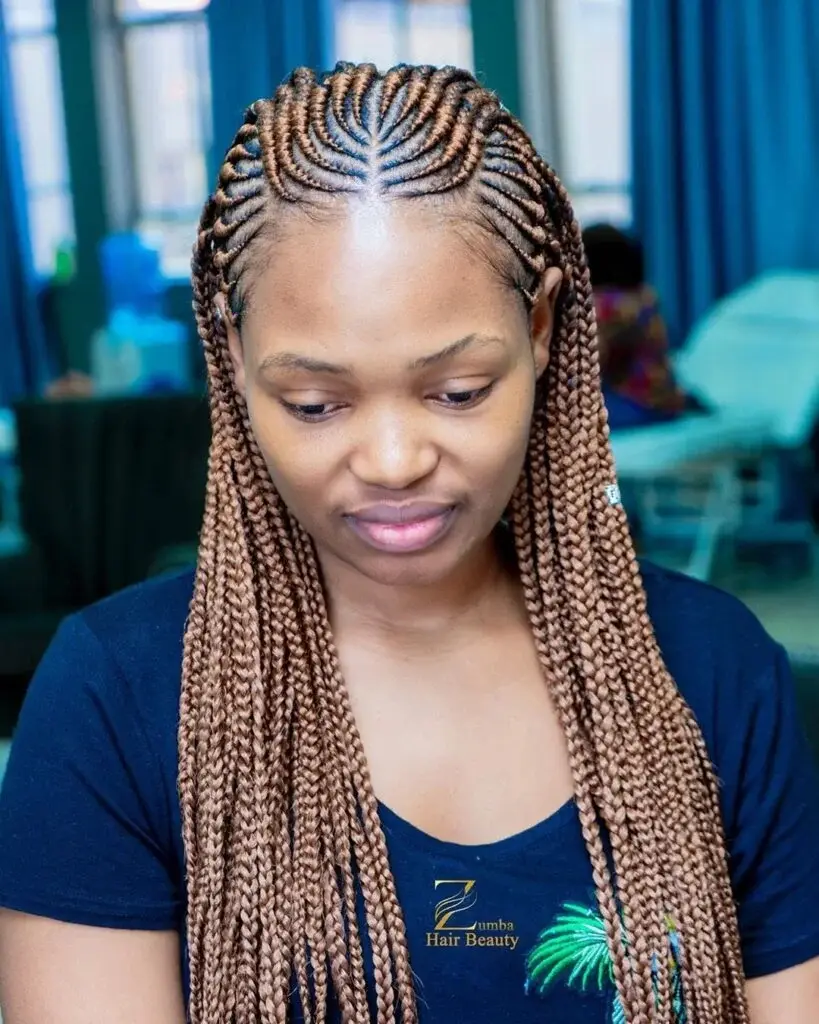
x: 387, y: 32
x: 592, y: 84
x: 166, y: 81
x: 38, y: 102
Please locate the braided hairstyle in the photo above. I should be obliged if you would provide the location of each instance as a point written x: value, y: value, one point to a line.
x: 287, y: 863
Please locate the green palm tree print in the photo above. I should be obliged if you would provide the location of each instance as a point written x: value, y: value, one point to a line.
x: 575, y: 946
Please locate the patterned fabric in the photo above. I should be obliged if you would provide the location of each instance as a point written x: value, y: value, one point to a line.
x: 634, y: 351
x: 574, y: 949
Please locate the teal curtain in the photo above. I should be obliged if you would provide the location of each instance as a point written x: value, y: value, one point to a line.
x: 24, y: 363
x: 495, y: 49
x: 254, y: 45
x: 725, y: 125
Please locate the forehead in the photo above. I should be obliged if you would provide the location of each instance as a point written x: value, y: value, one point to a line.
x: 375, y: 268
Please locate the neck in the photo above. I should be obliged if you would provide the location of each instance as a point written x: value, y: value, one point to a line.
x: 424, y: 616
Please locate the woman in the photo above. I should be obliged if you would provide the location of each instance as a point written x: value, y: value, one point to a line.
x: 638, y: 382
x: 443, y: 753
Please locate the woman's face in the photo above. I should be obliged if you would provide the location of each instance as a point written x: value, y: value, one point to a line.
x: 389, y: 375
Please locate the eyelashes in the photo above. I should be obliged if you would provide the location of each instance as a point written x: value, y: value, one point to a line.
x: 463, y: 399
x: 320, y: 412
x: 314, y: 413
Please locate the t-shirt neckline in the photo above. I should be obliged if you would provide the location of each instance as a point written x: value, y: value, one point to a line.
x: 398, y: 828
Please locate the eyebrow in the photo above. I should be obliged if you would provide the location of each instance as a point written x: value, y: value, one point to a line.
x: 293, y: 361
x: 455, y: 349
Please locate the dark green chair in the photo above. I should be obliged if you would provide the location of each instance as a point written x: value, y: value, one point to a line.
x: 109, y: 490
x: 107, y: 485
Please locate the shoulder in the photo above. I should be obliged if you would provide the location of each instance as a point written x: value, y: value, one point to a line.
x: 116, y: 666
x: 739, y: 685
x: 141, y: 629
x: 138, y: 635
x: 719, y: 654
x: 700, y: 620
x: 93, y: 765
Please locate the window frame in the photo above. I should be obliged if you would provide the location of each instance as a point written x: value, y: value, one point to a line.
x: 583, y: 189
x: 121, y: 143
x: 60, y: 187
x: 544, y: 87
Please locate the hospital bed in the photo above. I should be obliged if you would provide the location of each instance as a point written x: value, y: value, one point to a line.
x: 715, y: 478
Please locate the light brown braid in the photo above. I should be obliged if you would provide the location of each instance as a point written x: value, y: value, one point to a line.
x: 281, y: 824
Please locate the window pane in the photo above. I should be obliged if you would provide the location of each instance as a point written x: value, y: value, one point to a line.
x: 169, y: 85
x: 594, y: 108
x: 151, y: 8
x: 439, y: 33
x: 368, y: 30
x: 51, y: 221
x: 38, y: 102
x: 28, y: 15
x: 602, y: 208
x: 386, y: 32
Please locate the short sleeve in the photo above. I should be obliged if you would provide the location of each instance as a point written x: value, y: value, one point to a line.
x: 84, y: 822
x: 771, y: 807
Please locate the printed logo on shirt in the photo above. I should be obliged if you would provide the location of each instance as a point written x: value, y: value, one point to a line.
x: 456, y: 922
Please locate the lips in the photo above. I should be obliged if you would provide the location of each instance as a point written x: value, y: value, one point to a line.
x: 402, y: 528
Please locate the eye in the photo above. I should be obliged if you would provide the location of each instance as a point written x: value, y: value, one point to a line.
x: 463, y: 399
x: 314, y: 413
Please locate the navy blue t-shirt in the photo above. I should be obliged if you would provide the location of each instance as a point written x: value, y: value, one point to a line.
x: 90, y: 823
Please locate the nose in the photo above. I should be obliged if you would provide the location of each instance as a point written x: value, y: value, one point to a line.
x: 394, y: 450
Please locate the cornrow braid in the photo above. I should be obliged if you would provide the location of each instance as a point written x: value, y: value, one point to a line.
x: 281, y: 824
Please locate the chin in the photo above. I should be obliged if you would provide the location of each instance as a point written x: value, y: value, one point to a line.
x: 454, y: 552
x: 421, y: 569
x: 437, y: 564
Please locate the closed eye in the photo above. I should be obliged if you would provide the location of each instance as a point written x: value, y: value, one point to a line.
x: 319, y: 412
x: 313, y: 413
x: 463, y: 399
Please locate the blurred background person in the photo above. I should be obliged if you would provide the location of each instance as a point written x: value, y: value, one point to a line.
x: 635, y: 360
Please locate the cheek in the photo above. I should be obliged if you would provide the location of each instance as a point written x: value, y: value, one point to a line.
x: 504, y: 436
x: 298, y: 465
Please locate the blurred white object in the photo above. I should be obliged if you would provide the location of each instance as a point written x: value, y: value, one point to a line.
x: 754, y: 360
x: 164, y: 6
x: 758, y: 352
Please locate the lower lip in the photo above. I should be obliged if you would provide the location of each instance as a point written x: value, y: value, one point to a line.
x: 402, y: 538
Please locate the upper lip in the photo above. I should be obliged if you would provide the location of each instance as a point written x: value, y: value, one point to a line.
x: 411, y: 512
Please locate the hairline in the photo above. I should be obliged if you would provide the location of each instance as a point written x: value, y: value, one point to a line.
x: 478, y: 234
